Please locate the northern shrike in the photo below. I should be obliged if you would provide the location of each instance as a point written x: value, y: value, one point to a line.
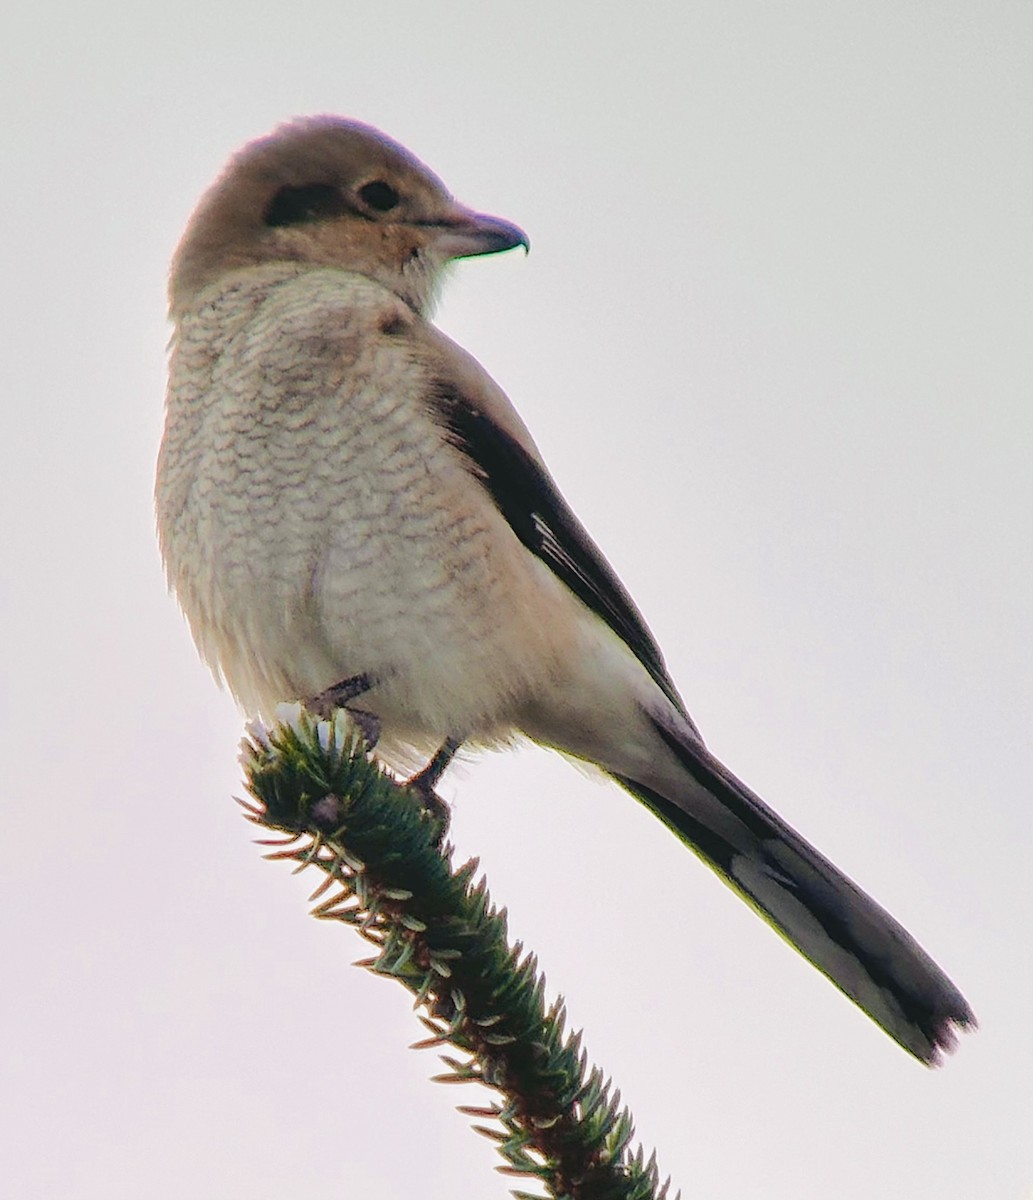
x: 349, y: 508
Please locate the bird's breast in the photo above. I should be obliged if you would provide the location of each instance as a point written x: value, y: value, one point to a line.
x: 316, y: 523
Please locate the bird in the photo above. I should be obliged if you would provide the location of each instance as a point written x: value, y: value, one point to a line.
x: 352, y: 513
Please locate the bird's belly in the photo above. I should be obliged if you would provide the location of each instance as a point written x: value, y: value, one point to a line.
x: 405, y: 573
x: 440, y: 604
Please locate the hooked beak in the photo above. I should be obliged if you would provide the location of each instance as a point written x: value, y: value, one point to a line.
x: 465, y: 233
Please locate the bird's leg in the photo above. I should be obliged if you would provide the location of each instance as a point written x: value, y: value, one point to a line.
x: 423, y: 783
x: 426, y: 779
x: 339, y: 695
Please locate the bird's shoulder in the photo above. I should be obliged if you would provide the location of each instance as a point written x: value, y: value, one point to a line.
x: 346, y: 319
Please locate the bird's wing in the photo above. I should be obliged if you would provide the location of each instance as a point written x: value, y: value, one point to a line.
x: 479, y: 420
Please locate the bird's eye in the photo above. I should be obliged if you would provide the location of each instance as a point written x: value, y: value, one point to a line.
x: 380, y: 196
x: 302, y: 205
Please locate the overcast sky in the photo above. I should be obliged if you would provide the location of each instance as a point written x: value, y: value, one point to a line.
x: 774, y: 340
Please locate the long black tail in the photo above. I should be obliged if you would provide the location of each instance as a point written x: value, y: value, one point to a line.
x: 866, y: 953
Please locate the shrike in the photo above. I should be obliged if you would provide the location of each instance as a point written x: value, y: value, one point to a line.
x: 350, y: 509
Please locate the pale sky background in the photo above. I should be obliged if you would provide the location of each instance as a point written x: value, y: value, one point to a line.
x: 774, y: 339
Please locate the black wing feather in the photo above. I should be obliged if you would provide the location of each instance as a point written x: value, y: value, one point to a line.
x: 524, y: 493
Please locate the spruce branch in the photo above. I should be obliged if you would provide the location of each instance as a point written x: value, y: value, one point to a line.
x: 436, y: 931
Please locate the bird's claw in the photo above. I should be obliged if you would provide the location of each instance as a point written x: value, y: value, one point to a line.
x: 339, y: 696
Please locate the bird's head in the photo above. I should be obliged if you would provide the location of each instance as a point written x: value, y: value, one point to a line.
x: 332, y: 192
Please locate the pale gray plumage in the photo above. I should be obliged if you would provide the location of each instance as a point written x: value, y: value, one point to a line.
x: 343, y: 491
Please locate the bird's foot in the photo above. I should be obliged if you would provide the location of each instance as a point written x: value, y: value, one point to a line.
x: 423, y: 783
x: 340, y: 695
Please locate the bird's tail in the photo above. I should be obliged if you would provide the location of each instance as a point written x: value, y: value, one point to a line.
x: 866, y: 953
